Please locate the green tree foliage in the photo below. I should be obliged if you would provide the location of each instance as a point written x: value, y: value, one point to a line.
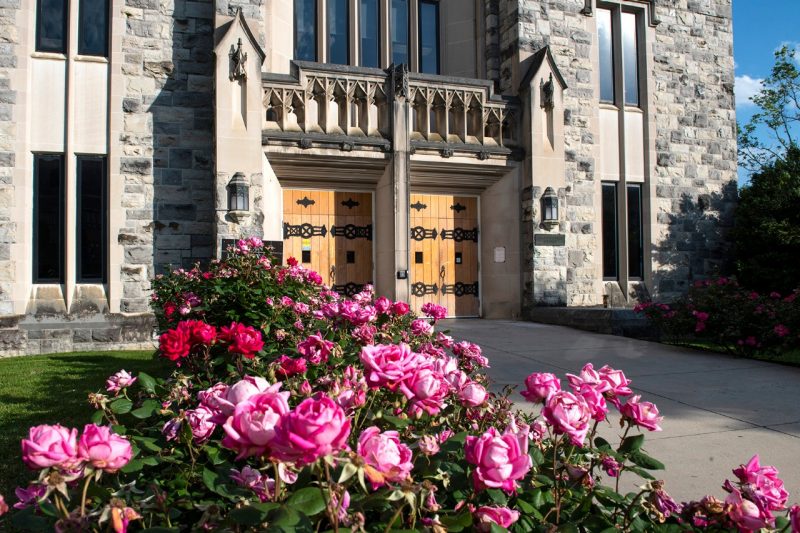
x: 767, y: 230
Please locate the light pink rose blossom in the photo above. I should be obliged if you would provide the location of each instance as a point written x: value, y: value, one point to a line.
x: 421, y: 327
x: 3, y: 506
x: 436, y: 312
x: 643, y: 414
x: 223, y: 399
x: 617, y: 383
x: 48, y: 446
x: 588, y: 375
x: 315, y: 348
x: 765, y: 482
x: 119, y: 381
x: 594, y: 400
x: 251, y: 427
x: 200, y: 422
x: 502, y: 516
x: 262, y: 485
x: 316, y: 427
x: 500, y: 460
x: 539, y: 386
x: 429, y: 445
x: 426, y: 389
x: 746, y: 514
x: 568, y: 414
x: 472, y: 394
x: 386, y: 365
x: 383, y: 305
x: 389, y: 459
x: 104, y: 449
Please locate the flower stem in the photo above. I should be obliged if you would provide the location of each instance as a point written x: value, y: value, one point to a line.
x: 83, y: 494
x: 394, y: 518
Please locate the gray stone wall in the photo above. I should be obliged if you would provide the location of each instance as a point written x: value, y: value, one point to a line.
x: 9, y: 45
x: 167, y: 141
x: 695, y: 172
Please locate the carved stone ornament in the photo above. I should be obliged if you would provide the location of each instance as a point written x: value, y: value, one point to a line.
x: 238, y: 62
x: 548, y: 93
x: 400, y: 80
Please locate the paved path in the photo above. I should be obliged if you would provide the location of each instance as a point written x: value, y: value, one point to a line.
x: 718, y: 410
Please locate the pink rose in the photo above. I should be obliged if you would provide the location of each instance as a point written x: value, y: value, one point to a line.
x: 119, y: 381
x: 250, y: 478
x: 251, y: 428
x: 29, y: 496
x: 357, y: 314
x: 400, y: 308
x: 643, y: 414
x: 500, y: 460
x: 611, y: 466
x: 223, y: 399
x: 594, y: 400
x: 765, y: 482
x: 315, y: 349
x: 48, y: 446
x: 539, y: 386
x: 794, y: 518
x: 471, y: 353
x: 436, y: 312
x: 588, y: 375
x: 472, y: 394
x: 316, y: 427
x: 104, y: 449
x: 288, y: 367
x: 200, y: 421
x: 386, y: 365
x: 426, y: 389
x: 383, y: 305
x: 568, y: 414
x: 365, y: 333
x: 241, y: 339
x: 617, y: 383
x: 202, y: 333
x: 3, y: 506
x: 388, y: 458
x: 421, y: 327
x: 746, y: 514
x: 502, y: 516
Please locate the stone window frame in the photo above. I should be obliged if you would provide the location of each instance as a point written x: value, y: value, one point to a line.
x: 646, y: 23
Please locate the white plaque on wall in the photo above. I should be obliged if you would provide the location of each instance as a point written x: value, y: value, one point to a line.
x: 500, y: 254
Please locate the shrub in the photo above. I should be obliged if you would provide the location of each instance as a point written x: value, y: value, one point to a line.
x: 292, y: 409
x: 721, y: 312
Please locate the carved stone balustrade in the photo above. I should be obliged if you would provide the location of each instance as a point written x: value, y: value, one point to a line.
x: 352, y: 106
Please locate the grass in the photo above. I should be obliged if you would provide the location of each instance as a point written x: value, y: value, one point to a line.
x: 49, y: 389
x: 791, y: 357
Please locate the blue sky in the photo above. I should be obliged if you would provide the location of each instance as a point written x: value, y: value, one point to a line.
x: 759, y: 27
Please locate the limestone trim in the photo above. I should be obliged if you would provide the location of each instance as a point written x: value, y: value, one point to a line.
x: 588, y: 10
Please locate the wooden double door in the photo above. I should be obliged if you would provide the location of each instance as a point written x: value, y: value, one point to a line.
x: 444, y: 252
x: 330, y: 232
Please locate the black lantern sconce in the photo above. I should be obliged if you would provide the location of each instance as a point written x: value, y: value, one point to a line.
x: 549, y: 207
x: 239, y: 197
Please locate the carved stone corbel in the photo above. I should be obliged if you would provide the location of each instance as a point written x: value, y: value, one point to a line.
x: 238, y: 62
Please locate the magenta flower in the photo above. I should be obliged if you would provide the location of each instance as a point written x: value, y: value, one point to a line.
x: 643, y: 414
x: 472, y: 394
x: 388, y: 458
x: 426, y: 389
x: 316, y: 427
x: 500, y: 460
x: 315, y: 348
x: 421, y: 327
x: 746, y: 514
x: 568, y: 414
x: 386, y: 365
x: 502, y: 516
x: 241, y: 339
x: 436, y: 312
x: 588, y: 375
x: 539, y: 386
x: 200, y: 421
x: 119, y: 381
x: 48, y: 446
x: 104, y: 449
x: 251, y: 428
x: 764, y: 482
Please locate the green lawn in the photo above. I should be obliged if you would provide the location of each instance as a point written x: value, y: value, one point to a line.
x: 49, y: 389
x: 791, y: 357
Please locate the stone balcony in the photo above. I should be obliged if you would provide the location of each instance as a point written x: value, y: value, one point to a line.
x: 339, y: 107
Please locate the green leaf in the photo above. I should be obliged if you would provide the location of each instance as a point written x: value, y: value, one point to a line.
x: 147, y: 382
x: 457, y: 522
x: 147, y: 409
x: 288, y: 519
x: 397, y: 422
x: 148, y: 443
x: 631, y: 444
x: 248, y: 516
x: 497, y: 496
x: 536, y: 456
x: 121, y: 406
x: 498, y: 529
x: 97, y: 417
x: 608, y: 495
x: 134, y: 465
x: 644, y: 474
x: 600, y: 442
x: 308, y: 500
x: 640, y: 458
x: 27, y: 520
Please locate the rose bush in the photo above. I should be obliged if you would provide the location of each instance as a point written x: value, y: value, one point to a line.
x: 722, y: 313
x: 293, y: 409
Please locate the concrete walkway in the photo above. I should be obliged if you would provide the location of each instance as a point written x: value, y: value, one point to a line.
x: 718, y: 410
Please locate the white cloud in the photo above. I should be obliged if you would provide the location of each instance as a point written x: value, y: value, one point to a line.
x: 746, y: 88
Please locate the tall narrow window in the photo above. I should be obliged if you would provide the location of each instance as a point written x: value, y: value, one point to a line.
x: 370, y: 33
x: 606, y: 48
x: 429, y: 36
x: 51, y: 26
x: 338, y: 31
x: 630, y: 58
x: 48, y: 218
x: 91, y: 226
x: 305, y: 30
x: 635, y: 235
x: 610, y: 242
x: 399, y: 31
x: 93, y: 28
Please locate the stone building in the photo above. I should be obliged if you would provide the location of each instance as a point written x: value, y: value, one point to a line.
x: 497, y: 156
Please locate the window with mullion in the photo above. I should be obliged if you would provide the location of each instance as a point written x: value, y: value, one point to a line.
x: 92, y: 215
x: 48, y: 218
x: 305, y: 30
x: 609, y: 228
x: 93, y: 28
x: 51, y: 25
x: 630, y: 57
x: 400, y: 31
x: 429, y: 36
x: 605, y: 41
x: 370, y: 24
x: 635, y: 233
x: 338, y: 31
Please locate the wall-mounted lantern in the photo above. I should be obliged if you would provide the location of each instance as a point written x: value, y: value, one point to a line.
x: 239, y: 197
x: 549, y: 207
